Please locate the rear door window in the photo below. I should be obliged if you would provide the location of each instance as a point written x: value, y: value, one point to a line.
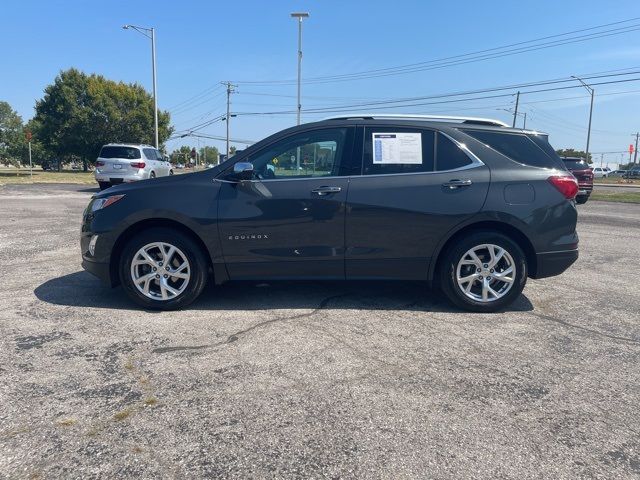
x: 389, y: 150
x: 518, y: 147
x: 129, y: 153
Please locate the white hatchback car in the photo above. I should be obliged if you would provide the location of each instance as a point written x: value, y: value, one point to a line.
x: 125, y: 162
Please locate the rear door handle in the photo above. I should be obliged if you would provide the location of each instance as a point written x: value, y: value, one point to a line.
x: 453, y: 184
x: 326, y: 190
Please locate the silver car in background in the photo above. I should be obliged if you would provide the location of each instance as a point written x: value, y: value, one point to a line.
x: 125, y: 162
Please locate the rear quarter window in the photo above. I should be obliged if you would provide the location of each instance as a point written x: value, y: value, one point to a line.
x: 526, y: 149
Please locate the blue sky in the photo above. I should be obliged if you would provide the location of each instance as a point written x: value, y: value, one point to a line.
x: 201, y: 43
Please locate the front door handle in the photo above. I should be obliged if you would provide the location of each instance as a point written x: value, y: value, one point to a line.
x: 453, y: 184
x: 326, y: 190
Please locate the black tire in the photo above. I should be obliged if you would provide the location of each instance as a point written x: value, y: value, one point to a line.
x: 448, y: 268
x: 197, y: 262
x: 582, y: 199
x: 152, y: 175
x: 104, y: 185
x: 170, y: 172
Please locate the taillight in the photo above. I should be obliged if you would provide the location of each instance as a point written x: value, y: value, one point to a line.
x: 138, y: 164
x: 99, y: 163
x: 566, y: 185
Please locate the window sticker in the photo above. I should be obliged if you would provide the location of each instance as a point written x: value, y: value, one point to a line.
x: 394, y: 148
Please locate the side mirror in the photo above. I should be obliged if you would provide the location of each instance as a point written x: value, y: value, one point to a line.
x: 243, y: 171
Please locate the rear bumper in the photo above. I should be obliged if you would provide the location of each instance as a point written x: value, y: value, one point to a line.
x: 554, y: 263
x: 114, y: 178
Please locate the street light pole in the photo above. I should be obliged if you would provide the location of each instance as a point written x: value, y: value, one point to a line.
x: 591, y: 91
x: 299, y: 16
x: 150, y: 33
x: 155, y: 95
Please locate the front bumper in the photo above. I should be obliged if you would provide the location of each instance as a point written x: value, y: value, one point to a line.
x: 98, y: 269
x: 550, y: 264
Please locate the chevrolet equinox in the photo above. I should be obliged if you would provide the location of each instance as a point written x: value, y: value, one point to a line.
x: 466, y: 204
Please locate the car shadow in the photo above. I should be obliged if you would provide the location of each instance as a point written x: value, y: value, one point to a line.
x: 80, y: 289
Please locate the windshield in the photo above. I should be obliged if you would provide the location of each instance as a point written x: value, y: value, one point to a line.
x: 129, y: 153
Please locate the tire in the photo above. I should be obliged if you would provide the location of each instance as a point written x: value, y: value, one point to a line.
x: 582, y: 199
x: 104, y: 185
x: 183, y: 294
x: 170, y: 172
x: 152, y: 175
x: 457, y: 256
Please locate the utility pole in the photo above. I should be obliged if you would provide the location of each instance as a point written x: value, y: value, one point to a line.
x: 230, y: 90
x: 524, y: 125
x: 515, y: 112
x: 635, y: 152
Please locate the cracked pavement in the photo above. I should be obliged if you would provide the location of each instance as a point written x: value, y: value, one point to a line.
x: 313, y: 379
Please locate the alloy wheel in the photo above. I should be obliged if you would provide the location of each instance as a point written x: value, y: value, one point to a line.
x: 486, y: 273
x: 160, y: 271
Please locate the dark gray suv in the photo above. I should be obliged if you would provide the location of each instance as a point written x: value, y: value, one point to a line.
x: 467, y: 204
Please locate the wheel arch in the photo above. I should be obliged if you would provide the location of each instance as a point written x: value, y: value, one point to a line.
x: 142, y: 225
x: 504, y: 228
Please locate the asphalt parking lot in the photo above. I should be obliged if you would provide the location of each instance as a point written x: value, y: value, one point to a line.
x: 305, y: 379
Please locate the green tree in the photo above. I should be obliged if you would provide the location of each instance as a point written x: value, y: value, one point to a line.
x: 79, y: 113
x: 14, y: 147
x: 570, y: 152
x: 181, y: 155
x: 12, y: 139
x: 209, y: 153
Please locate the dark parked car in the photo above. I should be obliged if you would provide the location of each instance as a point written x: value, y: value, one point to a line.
x: 470, y: 205
x: 580, y: 169
x: 633, y: 172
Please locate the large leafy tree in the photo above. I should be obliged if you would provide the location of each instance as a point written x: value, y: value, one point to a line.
x: 79, y: 113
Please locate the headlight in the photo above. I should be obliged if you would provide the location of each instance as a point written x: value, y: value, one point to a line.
x: 100, y: 203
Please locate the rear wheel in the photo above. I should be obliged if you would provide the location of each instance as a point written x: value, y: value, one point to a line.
x: 104, y: 185
x: 163, y: 269
x: 483, y: 272
x: 152, y: 175
x: 170, y: 172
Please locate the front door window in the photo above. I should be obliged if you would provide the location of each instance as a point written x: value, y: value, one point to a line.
x: 306, y: 155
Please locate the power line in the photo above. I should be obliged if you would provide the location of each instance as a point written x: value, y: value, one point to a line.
x: 480, y: 55
x: 377, y: 106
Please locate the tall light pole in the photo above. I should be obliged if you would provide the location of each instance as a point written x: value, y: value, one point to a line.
x: 150, y: 33
x: 299, y: 16
x: 591, y: 91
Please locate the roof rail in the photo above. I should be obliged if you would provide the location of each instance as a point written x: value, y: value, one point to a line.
x: 445, y: 118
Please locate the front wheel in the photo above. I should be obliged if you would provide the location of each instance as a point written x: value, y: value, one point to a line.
x: 104, y: 185
x: 582, y: 199
x: 162, y: 269
x: 483, y: 272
